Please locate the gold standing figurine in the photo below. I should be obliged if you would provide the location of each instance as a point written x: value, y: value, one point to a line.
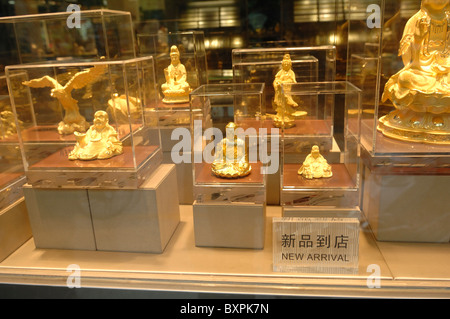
x: 420, y: 92
x: 73, y: 121
x: 231, y: 158
x: 99, y: 142
x: 176, y: 89
x: 284, y: 103
x: 315, y: 166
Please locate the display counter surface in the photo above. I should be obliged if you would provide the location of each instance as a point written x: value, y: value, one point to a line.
x: 407, y: 270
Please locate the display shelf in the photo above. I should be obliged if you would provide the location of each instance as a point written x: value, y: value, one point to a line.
x: 58, y: 104
x: 407, y: 269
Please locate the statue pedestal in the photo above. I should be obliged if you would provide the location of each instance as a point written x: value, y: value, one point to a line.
x: 15, y: 228
x: 407, y: 203
x: 128, y: 220
x: 229, y: 225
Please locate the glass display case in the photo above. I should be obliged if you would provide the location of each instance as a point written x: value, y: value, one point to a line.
x: 14, y: 225
x: 12, y: 172
x: 400, y: 65
x: 59, y: 104
x: 229, y: 173
x: 309, y: 64
x: 60, y: 36
x: 173, y: 109
x: 319, y: 167
x: 265, y: 65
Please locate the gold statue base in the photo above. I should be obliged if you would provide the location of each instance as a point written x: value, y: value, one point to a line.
x: 176, y: 98
x: 232, y: 170
x: 288, y: 121
x: 418, y: 127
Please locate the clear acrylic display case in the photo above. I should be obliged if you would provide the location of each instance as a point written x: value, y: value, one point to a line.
x: 405, y: 166
x: 373, y: 59
x: 191, y: 46
x: 12, y: 175
x: 341, y: 151
x: 310, y: 64
x: 242, y: 104
x: 122, y: 88
x: 87, y: 34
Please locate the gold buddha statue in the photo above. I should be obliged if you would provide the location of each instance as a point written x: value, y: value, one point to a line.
x: 231, y: 157
x: 420, y: 91
x: 283, y: 102
x: 99, y: 142
x: 315, y: 166
x: 176, y: 89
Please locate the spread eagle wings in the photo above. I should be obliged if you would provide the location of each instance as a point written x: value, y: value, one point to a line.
x: 45, y: 81
x: 78, y: 81
x: 83, y: 78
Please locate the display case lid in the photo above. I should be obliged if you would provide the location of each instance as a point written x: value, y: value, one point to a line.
x: 53, y: 15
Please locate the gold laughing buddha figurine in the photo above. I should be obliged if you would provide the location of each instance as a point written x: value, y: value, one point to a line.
x: 176, y: 89
x: 420, y: 91
x: 315, y: 166
x: 231, y: 158
x: 99, y: 142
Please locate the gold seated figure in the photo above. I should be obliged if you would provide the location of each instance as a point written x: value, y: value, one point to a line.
x: 176, y: 89
x: 420, y: 91
x: 231, y: 159
x: 99, y: 142
x: 315, y: 166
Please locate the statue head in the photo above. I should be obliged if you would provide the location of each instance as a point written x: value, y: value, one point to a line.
x: 100, y: 120
x: 435, y: 5
x: 230, y: 131
x: 315, y: 152
x: 287, y: 62
x: 174, y: 54
x: 57, y: 93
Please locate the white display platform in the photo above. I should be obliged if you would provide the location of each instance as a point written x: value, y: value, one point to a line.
x: 407, y: 208
x: 229, y: 225
x: 406, y: 270
x: 141, y: 220
x: 184, y: 177
x: 60, y: 218
x: 132, y: 220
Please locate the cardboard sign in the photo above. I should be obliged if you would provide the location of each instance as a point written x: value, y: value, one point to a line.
x: 316, y: 245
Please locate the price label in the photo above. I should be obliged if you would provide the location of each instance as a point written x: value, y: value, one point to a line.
x: 316, y: 245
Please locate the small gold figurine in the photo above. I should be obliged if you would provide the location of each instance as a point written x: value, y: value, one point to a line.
x: 8, y: 124
x: 315, y: 166
x: 420, y: 91
x: 283, y: 102
x: 176, y: 89
x: 99, y: 142
x: 120, y: 105
x: 231, y: 158
x: 73, y: 121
